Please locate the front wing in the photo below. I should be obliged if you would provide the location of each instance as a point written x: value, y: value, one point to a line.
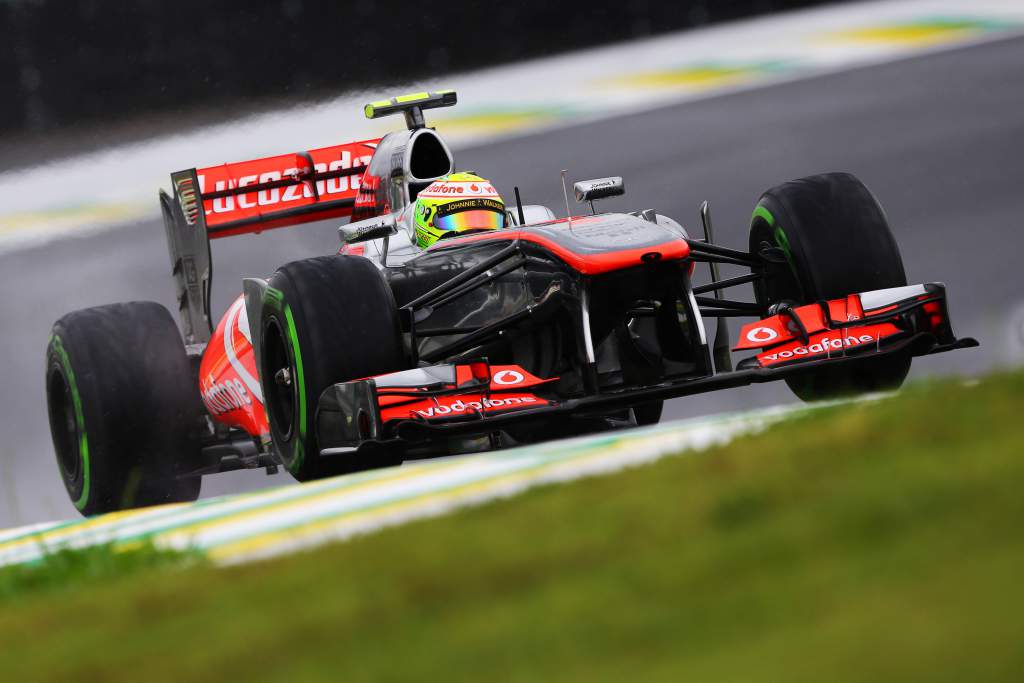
x: 429, y: 406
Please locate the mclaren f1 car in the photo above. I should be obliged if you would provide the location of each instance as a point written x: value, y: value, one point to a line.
x: 384, y: 352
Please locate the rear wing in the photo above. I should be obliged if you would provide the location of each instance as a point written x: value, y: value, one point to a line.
x: 246, y: 197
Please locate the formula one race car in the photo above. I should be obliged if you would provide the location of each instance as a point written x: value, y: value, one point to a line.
x: 385, y: 352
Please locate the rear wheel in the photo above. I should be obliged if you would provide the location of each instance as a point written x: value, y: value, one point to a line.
x: 324, y: 320
x: 123, y: 408
x: 837, y: 241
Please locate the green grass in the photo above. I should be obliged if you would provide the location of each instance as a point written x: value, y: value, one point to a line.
x: 65, y: 570
x: 862, y: 543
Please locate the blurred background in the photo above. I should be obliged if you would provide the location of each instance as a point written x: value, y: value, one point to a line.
x: 691, y: 100
x: 93, y: 62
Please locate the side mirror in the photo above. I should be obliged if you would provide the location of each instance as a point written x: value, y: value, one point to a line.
x: 599, y: 188
x: 369, y: 229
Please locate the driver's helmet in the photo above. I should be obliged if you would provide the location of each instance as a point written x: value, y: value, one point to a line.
x: 455, y: 205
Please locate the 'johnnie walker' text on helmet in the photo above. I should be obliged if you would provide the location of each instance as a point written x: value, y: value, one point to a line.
x: 455, y: 205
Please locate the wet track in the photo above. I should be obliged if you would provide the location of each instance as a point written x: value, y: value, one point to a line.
x: 939, y: 138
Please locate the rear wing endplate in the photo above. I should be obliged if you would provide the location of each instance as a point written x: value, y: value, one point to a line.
x: 250, y: 196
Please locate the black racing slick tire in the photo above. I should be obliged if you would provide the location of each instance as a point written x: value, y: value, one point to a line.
x: 324, y: 320
x: 837, y: 241
x: 123, y: 408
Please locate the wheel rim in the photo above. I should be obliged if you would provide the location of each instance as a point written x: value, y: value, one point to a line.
x: 281, y: 397
x: 64, y: 425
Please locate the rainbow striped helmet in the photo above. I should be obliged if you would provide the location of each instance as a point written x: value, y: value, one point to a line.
x: 454, y: 205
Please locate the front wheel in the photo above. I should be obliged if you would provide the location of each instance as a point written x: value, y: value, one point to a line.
x: 837, y: 241
x: 324, y: 320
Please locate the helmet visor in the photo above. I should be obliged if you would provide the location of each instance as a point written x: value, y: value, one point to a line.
x: 470, y: 214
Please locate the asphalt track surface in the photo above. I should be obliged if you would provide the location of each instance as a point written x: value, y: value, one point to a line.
x: 939, y: 138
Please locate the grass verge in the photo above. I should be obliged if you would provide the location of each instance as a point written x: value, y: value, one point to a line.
x: 879, y: 541
x: 65, y: 570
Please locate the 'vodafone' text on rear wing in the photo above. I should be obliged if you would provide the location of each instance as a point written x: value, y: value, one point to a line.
x: 251, y: 196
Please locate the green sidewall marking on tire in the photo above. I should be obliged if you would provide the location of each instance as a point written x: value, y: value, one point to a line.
x: 761, y: 212
x: 780, y: 235
x: 783, y: 242
x: 275, y: 299
x: 298, y: 450
x: 83, y: 442
x: 273, y: 295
